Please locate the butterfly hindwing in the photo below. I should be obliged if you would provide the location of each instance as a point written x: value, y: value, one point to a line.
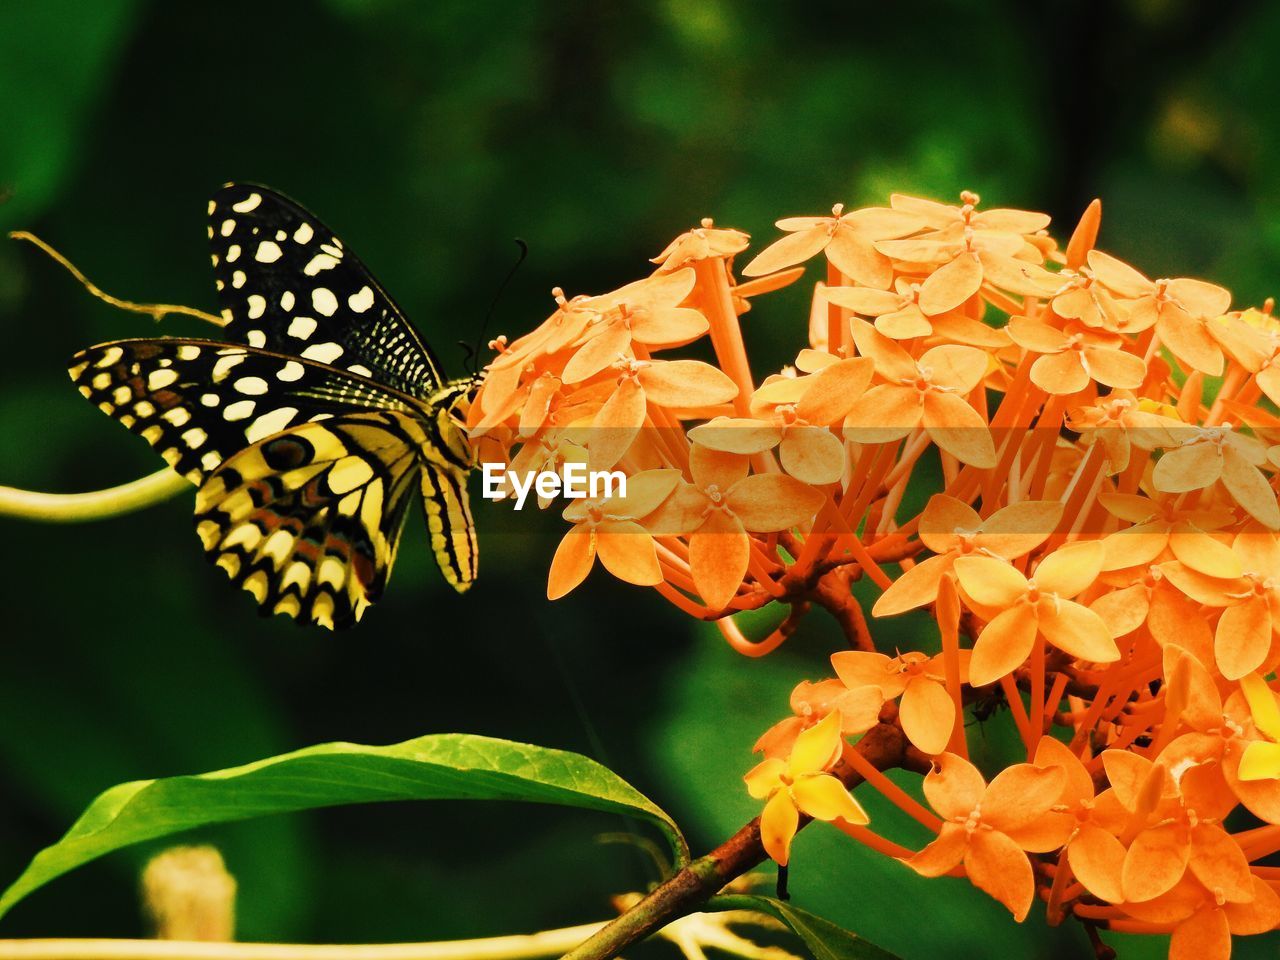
x: 200, y: 401
x: 449, y: 524
x: 309, y: 520
x: 288, y: 284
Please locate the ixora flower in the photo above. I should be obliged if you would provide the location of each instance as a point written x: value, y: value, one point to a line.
x: 927, y: 709
x: 1018, y: 610
x: 1016, y: 441
x: 801, y: 784
x: 989, y: 827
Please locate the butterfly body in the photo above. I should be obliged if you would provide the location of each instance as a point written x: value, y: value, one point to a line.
x: 310, y: 429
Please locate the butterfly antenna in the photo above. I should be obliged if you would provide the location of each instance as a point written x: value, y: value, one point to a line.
x: 493, y: 305
x: 157, y: 311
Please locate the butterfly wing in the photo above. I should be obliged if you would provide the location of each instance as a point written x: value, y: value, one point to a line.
x: 288, y: 284
x: 200, y: 401
x: 449, y: 523
x: 308, y: 520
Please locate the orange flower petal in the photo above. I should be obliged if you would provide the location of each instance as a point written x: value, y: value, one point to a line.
x: 833, y: 391
x: 571, y: 563
x: 997, y: 866
x: 865, y: 300
x: 1193, y: 467
x: 853, y: 254
x: 958, y: 429
x: 954, y: 787
x: 1115, y: 368
x: 928, y: 714
x: 991, y: 582
x: 950, y: 285
x: 942, y: 855
x: 914, y: 588
x: 1203, y: 553
x: 1188, y: 340
x: 885, y: 413
x: 862, y: 668
x: 714, y: 467
x: 1243, y: 638
x: 1019, y: 528
x: 1155, y: 862
x: 1060, y: 373
x: 1021, y: 794
x: 1069, y: 570
x: 718, y: 554
x: 773, y: 501
x: 1260, y: 915
x: 943, y: 519
x: 1218, y: 862
x: 1079, y: 631
x: 686, y: 383
x: 1262, y: 705
x: 1249, y: 487
x: 955, y: 367
x: 1097, y: 859
x: 1205, y: 936
x: 1003, y: 646
x: 626, y: 550
x: 736, y: 435
x: 790, y: 250
x: 613, y: 341
x: 616, y: 424
x: 812, y: 454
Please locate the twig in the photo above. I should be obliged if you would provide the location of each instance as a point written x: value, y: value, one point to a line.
x: 884, y: 746
x: 97, y: 505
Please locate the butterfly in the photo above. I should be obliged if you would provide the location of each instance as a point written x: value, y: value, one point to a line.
x: 308, y: 429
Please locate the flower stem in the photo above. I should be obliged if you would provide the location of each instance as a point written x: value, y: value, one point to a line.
x: 883, y: 746
x: 98, y: 505
x: 546, y: 943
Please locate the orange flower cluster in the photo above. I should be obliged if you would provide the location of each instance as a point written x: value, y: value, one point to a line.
x: 1093, y: 470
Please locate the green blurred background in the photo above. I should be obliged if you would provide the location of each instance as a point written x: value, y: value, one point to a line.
x: 428, y: 135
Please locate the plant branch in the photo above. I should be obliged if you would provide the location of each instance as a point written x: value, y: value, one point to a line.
x: 884, y: 746
x: 546, y: 943
x: 97, y: 505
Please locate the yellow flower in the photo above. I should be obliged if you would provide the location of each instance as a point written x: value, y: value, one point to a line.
x: 801, y: 784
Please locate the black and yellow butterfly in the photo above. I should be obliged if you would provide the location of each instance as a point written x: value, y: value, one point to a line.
x: 307, y: 432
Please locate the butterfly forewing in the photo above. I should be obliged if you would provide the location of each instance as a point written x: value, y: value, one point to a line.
x: 308, y: 520
x: 199, y: 401
x: 288, y: 284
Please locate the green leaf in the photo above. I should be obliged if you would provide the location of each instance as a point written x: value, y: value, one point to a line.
x: 825, y: 940
x: 439, y: 767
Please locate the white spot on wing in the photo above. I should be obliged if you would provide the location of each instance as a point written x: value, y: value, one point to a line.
x: 291, y: 371
x: 269, y: 423
x: 228, y: 227
x: 158, y: 379
x: 321, y: 261
x: 256, y: 338
x: 287, y: 300
x: 238, y: 410
x: 323, y: 352
x: 302, y: 327
x: 233, y: 253
x: 257, y: 305
x: 248, y: 203
x: 268, y: 252
x: 361, y: 301
x: 324, y: 301
x: 254, y: 386
x: 304, y: 233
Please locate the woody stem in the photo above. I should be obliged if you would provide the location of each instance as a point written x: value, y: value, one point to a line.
x: 883, y: 746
